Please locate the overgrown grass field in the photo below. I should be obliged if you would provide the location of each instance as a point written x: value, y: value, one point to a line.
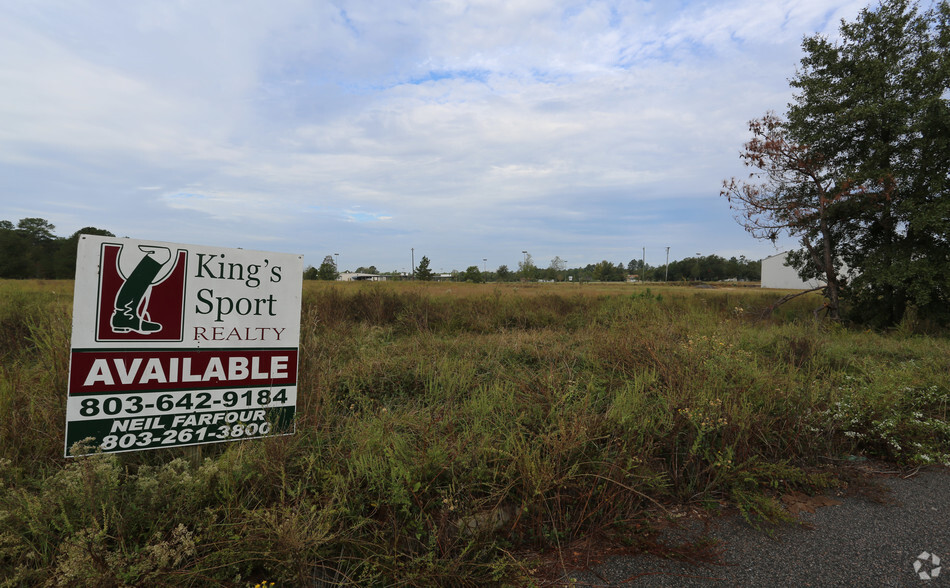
x: 449, y: 433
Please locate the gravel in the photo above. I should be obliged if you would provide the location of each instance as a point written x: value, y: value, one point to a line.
x: 859, y: 542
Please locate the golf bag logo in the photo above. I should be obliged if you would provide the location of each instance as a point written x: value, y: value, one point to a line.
x: 141, y: 293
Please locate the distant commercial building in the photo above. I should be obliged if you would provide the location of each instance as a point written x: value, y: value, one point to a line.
x: 354, y: 277
x: 775, y: 274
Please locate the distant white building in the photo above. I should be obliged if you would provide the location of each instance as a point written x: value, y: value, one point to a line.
x: 775, y: 274
x: 354, y: 277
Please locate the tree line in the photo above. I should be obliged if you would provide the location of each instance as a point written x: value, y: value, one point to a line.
x: 706, y: 268
x: 29, y: 249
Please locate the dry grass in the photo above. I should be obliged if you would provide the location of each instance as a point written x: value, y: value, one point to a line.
x: 443, y: 427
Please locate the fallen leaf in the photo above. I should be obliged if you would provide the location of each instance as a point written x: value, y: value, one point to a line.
x: 796, y: 502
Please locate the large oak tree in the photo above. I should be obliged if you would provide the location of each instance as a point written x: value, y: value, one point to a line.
x: 871, y: 118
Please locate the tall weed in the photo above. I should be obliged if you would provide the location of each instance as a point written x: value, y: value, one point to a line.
x: 443, y: 427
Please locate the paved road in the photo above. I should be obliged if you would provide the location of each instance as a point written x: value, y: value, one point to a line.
x: 859, y: 542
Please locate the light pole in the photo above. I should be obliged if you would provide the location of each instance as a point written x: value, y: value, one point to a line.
x: 666, y: 275
x: 643, y: 265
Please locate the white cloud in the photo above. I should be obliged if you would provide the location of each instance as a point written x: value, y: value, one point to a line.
x: 490, y: 121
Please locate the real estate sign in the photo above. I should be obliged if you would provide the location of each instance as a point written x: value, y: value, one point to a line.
x: 181, y: 344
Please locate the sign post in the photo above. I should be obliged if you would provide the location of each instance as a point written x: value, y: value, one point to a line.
x: 177, y: 345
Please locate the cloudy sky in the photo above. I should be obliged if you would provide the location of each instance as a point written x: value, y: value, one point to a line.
x: 467, y: 130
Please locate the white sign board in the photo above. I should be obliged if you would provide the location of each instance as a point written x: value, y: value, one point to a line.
x: 181, y: 344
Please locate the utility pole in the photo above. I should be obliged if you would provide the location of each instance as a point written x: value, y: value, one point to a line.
x: 666, y: 277
x: 643, y: 266
x: 412, y: 276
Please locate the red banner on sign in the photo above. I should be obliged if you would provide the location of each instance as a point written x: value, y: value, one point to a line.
x: 154, y: 370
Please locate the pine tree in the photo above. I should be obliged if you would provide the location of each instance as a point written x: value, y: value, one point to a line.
x: 327, y: 269
x: 422, y: 271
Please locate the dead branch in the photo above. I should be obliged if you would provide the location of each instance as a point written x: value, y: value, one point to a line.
x: 786, y: 298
